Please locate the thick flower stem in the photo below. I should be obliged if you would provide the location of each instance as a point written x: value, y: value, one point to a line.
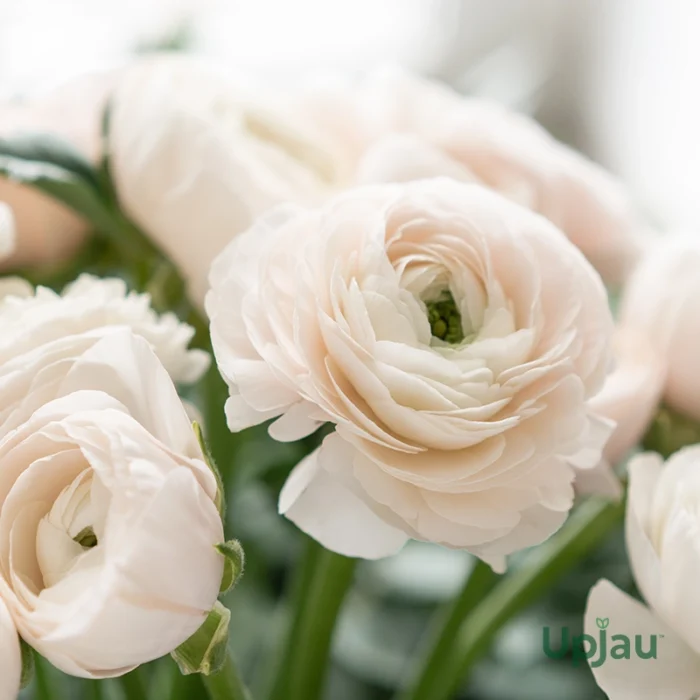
x: 471, y: 636
x: 135, y: 684
x: 226, y: 684
x: 446, y: 626
x: 318, y: 593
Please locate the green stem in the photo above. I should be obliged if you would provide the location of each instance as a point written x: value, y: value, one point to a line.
x: 44, y: 689
x: 446, y: 625
x: 94, y: 690
x: 226, y: 684
x: 135, y: 684
x: 471, y: 639
x: 323, y: 580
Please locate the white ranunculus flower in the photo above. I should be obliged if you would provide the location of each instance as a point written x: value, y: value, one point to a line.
x: 108, y: 516
x: 663, y: 519
x: 32, y: 325
x: 196, y: 158
x: 662, y: 303
x: 453, y: 337
x: 394, y: 127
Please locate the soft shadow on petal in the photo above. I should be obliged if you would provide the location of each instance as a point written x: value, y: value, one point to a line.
x: 673, y: 675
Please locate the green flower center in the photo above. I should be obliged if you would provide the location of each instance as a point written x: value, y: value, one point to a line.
x: 86, y: 538
x: 445, y: 319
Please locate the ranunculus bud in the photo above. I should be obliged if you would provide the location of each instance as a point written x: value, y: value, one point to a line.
x: 196, y: 158
x: 662, y: 523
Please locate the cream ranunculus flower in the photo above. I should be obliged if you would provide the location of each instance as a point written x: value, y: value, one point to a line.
x: 661, y: 302
x: 663, y: 518
x: 401, y: 127
x: 47, y: 327
x: 196, y: 158
x: 629, y: 398
x: 453, y: 337
x: 108, y: 521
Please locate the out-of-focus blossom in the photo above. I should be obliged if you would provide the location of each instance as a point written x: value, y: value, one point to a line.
x: 197, y: 157
x: 662, y: 304
x: 396, y: 127
x: 46, y: 231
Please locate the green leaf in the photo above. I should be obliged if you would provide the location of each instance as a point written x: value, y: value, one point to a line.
x: 27, y: 664
x: 602, y: 622
x: 206, y: 650
x: 63, y: 185
x: 220, y: 498
x: 48, y: 148
x: 234, y: 563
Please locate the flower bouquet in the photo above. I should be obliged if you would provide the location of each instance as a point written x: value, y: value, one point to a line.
x: 386, y: 308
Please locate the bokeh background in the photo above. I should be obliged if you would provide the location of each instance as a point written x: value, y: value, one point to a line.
x: 615, y: 78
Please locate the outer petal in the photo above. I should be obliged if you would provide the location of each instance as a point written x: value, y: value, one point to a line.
x: 401, y: 157
x: 124, y: 366
x: 10, y: 656
x: 334, y: 514
x: 159, y: 594
x: 631, y: 393
x: 644, y: 473
x: 673, y: 675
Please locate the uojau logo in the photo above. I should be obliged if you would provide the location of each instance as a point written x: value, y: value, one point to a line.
x: 584, y: 647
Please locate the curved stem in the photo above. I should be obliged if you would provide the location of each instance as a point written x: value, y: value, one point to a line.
x: 587, y: 526
x: 226, y: 684
x: 446, y: 626
x: 318, y: 593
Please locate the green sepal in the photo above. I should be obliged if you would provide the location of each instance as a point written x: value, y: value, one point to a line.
x: 220, y: 499
x: 27, y: 663
x: 205, y: 651
x: 234, y: 563
x: 670, y: 431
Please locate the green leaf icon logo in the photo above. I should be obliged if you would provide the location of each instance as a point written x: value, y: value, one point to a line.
x: 602, y: 622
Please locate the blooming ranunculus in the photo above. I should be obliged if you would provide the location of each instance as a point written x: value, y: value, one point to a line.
x: 662, y: 303
x: 454, y: 339
x: 629, y: 397
x: 41, y: 332
x: 395, y: 127
x: 48, y: 232
x: 196, y: 158
x: 108, y: 516
x: 663, y: 519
